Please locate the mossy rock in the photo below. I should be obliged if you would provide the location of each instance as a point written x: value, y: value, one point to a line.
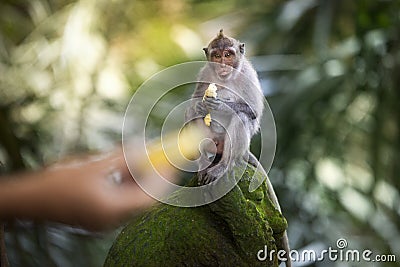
x: 227, y: 232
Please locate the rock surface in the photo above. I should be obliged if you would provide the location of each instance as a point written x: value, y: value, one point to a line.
x: 227, y: 232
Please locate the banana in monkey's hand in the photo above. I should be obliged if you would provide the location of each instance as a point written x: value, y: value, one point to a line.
x: 210, y: 92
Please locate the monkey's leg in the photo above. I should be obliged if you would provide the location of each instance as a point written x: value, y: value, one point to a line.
x: 202, y: 171
x: 209, y: 149
x: 205, y: 161
x: 236, y: 143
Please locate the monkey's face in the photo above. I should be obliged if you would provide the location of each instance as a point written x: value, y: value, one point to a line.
x: 227, y: 61
x: 227, y: 52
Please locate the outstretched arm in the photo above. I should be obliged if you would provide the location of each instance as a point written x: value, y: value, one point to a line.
x: 95, y: 192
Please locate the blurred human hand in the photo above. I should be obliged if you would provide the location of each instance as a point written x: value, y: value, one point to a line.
x: 95, y: 192
x: 98, y: 192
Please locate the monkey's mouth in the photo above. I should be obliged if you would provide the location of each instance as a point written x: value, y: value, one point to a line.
x: 224, y: 72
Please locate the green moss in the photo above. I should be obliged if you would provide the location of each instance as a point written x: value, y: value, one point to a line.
x: 227, y: 232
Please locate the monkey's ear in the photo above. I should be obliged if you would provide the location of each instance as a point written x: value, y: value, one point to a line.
x: 241, y: 48
x: 205, y: 49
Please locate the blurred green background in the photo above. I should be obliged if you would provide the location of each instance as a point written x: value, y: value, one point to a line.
x: 330, y: 71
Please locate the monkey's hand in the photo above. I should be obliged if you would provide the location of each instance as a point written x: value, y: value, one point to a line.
x: 218, y: 105
x: 211, y: 174
x: 200, y: 108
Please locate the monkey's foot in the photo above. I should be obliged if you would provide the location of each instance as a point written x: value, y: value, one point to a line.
x: 250, y: 159
x: 210, y: 175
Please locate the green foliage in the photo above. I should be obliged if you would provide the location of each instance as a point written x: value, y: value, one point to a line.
x: 337, y: 119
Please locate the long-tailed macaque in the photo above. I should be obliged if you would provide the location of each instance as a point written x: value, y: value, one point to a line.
x: 235, y: 112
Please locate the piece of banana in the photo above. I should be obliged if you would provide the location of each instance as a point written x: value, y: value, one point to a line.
x: 207, y: 120
x: 210, y: 92
x: 175, y: 147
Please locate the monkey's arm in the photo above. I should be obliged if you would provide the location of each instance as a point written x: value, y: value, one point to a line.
x: 197, y: 107
x: 243, y: 108
x: 229, y: 107
x: 200, y: 90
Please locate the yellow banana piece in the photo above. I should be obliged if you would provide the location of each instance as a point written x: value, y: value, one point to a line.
x: 175, y: 147
x: 210, y: 92
x: 207, y: 120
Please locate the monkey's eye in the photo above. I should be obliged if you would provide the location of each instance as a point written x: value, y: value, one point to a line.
x: 227, y: 55
x: 217, y: 56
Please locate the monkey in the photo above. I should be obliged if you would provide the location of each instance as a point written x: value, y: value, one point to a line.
x: 235, y: 112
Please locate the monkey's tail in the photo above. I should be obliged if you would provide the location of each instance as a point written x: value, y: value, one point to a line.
x: 271, y: 193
